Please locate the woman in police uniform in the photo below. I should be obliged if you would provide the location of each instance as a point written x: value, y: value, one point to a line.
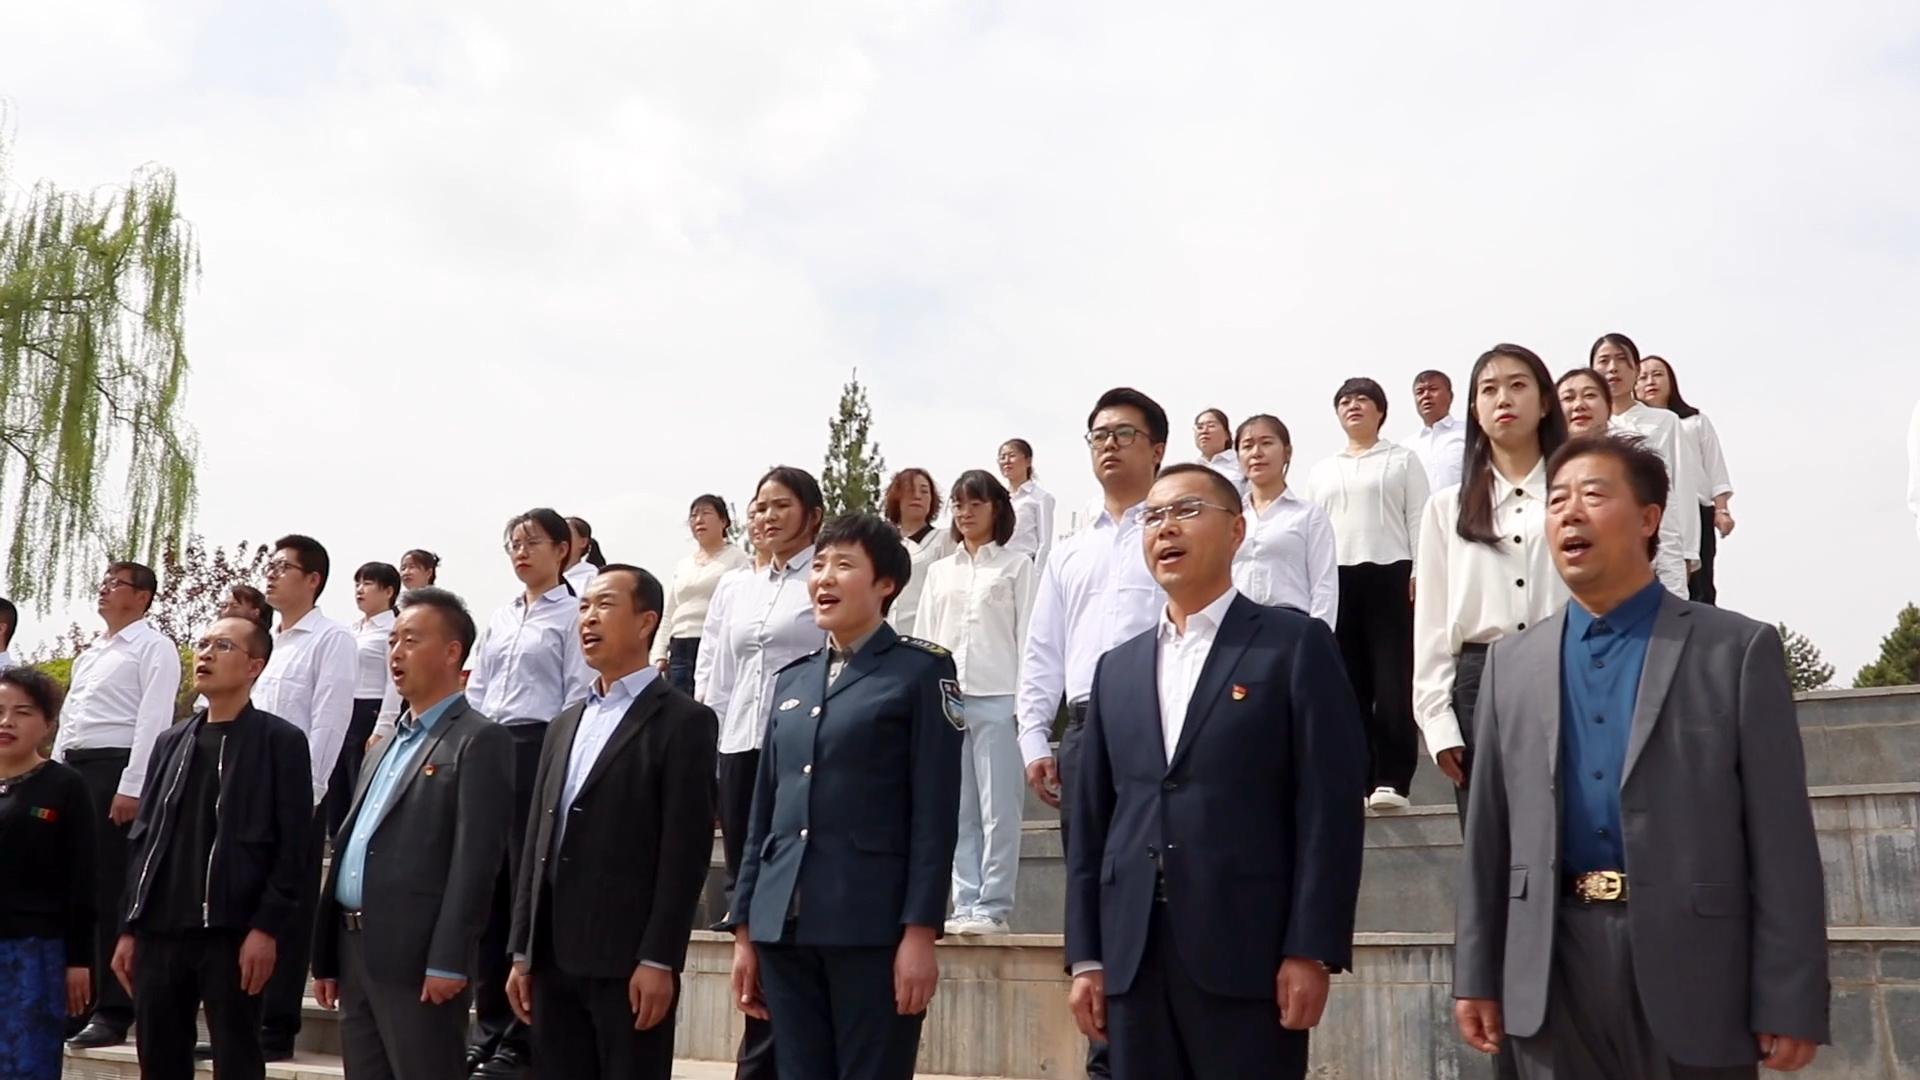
x: 850, y: 847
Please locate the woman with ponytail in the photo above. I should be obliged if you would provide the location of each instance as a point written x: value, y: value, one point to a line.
x: 586, y: 557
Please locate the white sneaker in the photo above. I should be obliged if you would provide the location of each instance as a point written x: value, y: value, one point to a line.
x: 958, y: 924
x: 1387, y: 799
x: 983, y: 925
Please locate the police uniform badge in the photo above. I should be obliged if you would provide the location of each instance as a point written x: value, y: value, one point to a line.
x: 924, y: 645
x: 953, y: 704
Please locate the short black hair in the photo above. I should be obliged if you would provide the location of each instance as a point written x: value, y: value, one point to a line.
x: 44, y: 689
x: 383, y: 575
x: 1223, y: 487
x: 453, y: 613
x: 1646, y: 472
x: 313, y: 557
x: 259, y: 639
x: 1361, y: 386
x: 141, y: 575
x: 983, y: 485
x: 9, y: 618
x: 647, y: 594
x: 1434, y: 375
x: 1126, y: 397
x: 881, y: 541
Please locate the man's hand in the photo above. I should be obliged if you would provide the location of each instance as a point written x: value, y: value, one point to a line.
x: 1453, y: 762
x: 520, y: 992
x: 327, y: 993
x: 1301, y: 990
x: 1783, y: 1053
x: 663, y: 665
x: 1479, y: 1023
x: 915, y: 971
x: 650, y: 995
x: 79, y: 990
x: 257, y: 955
x: 438, y: 991
x: 123, y: 961
x: 123, y: 809
x: 1088, y: 1001
x: 1043, y: 777
x: 746, y: 977
x: 1411, y: 582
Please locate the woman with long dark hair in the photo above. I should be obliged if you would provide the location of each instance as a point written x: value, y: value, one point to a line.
x: 1617, y: 360
x: 1032, y: 504
x: 912, y: 505
x: 1289, y: 554
x: 1659, y: 388
x: 676, y: 645
x: 587, y: 559
x: 376, y: 700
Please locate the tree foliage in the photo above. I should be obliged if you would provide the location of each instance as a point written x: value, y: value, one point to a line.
x: 95, y: 452
x: 1806, y: 669
x: 850, y: 479
x: 1899, y: 662
x: 194, y: 583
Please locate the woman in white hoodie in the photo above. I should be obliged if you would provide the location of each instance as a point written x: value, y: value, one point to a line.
x: 1375, y: 492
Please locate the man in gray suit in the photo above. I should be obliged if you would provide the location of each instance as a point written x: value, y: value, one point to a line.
x: 412, y: 877
x: 1642, y: 896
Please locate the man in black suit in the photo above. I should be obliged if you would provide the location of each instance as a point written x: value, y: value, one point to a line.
x: 409, y: 886
x: 620, y: 839
x: 1216, y: 813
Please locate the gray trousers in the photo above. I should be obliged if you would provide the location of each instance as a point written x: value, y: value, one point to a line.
x: 993, y: 792
x: 388, y: 1033
x: 1596, y: 1028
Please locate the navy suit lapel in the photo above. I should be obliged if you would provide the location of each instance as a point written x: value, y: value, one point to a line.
x: 1230, y: 642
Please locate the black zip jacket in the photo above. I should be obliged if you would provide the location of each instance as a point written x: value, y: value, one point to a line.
x: 262, y: 818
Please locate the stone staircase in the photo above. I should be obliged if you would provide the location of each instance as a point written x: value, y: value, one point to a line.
x: 1001, y: 1006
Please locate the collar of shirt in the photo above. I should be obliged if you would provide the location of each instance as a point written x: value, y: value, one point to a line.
x: 802, y: 560
x: 989, y: 553
x: 380, y: 619
x: 425, y: 721
x: 1443, y: 426
x: 1130, y: 516
x: 308, y: 623
x: 1204, y: 623
x: 1380, y: 446
x: 1632, y: 617
x: 1286, y: 495
x: 1534, y: 486
x: 624, y: 689
x: 133, y: 631
x: 557, y: 593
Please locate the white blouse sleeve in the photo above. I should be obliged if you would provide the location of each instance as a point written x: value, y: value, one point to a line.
x: 1323, y: 567
x: 1717, y: 482
x: 1433, y: 659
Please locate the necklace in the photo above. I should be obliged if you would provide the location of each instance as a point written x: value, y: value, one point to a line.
x: 7, y: 783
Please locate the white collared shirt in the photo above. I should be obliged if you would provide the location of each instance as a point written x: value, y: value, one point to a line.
x: 1094, y: 593
x: 373, y: 680
x: 121, y: 697
x: 1032, y: 522
x: 685, y: 613
x: 713, y: 667
x: 1680, y: 527
x: 579, y: 575
x: 768, y: 624
x: 1442, y: 447
x: 937, y: 544
x: 309, y: 683
x: 528, y: 666
x: 1227, y: 464
x: 1475, y: 593
x: 1706, y: 458
x: 1181, y: 657
x: 597, y: 720
x: 976, y: 605
x: 1374, y: 499
x: 1288, y: 557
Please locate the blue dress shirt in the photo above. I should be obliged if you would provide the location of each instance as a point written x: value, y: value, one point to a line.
x: 1601, y: 658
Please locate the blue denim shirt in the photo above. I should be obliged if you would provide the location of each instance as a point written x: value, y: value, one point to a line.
x: 1600, y: 663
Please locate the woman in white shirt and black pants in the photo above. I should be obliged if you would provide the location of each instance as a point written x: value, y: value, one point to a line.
x: 1659, y: 388
x: 975, y: 604
x: 1374, y: 493
x: 676, y: 648
x: 376, y: 701
x: 1289, y: 555
x: 1032, y: 504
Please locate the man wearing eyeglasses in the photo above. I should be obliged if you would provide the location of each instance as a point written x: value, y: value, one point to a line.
x: 121, y: 698
x: 310, y: 683
x: 1093, y: 594
x: 1200, y: 950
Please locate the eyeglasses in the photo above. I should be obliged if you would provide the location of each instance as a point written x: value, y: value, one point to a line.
x: 1153, y: 517
x: 219, y: 645
x: 515, y: 547
x: 281, y: 567
x: 1122, y: 435
x: 113, y: 583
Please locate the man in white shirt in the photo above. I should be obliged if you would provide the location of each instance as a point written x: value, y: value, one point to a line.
x: 309, y: 683
x: 1442, y: 442
x: 1094, y: 593
x: 120, y: 698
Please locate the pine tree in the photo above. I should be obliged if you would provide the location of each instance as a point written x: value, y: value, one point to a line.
x: 1806, y: 670
x: 850, y: 479
x: 1899, y: 663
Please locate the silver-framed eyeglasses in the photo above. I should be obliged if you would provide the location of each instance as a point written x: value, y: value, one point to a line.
x: 217, y: 646
x: 1153, y: 517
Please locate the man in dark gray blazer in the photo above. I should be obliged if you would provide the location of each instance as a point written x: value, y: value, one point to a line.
x: 412, y: 875
x: 1642, y: 895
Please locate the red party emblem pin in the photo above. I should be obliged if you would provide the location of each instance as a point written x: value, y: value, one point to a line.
x: 1239, y: 692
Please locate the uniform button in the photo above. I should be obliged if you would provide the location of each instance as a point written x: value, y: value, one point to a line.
x: 1599, y: 663
x: 1599, y: 832
x: 1170, y: 847
x: 806, y: 770
x: 1168, y: 785
x: 1599, y: 719
x: 815, y: 712
x: 803, y: 834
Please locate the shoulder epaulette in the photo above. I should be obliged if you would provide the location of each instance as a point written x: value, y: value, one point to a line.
x: 791, y: 664
x: 924, y: 645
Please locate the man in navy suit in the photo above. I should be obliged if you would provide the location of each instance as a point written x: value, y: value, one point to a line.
x: 1216, y: 814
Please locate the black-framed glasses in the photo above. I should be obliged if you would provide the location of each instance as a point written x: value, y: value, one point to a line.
x: 1153, y: 517
x: 113, y: 583
x: 1121, y: 435
x: 281, y: 567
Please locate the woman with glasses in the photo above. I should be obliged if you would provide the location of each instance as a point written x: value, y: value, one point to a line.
x: 676, y: 645
x: 1659, y: 388
x: 1374, y: 492
x: 911, y: 505
x: 1032, y: 504
x: 1288, y: 556
x: 418, y: 569
x: 376, y: 700
x: 527, y: 667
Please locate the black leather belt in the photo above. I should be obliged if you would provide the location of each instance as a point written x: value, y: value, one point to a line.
x: 1077, y: 712
x: 353, y: 920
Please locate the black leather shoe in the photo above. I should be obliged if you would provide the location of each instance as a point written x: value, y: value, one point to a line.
x: 505, y: 1064
x: 97, y: 1034
x: 476, y: 1057
x: 203, y: 1051
x: 276, y: 1052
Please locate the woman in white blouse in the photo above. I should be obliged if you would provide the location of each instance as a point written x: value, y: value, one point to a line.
x: 1032, y: 504
x: 676, y: 647
x: 1288, y: 556
x: 912, y: 504
x: 976, y: 603
x: 1213, y: 436
x: 419, y: 568
x: 1586, y: 402
x: 1374, y: 492
x: 376, y: 701
x: 587, y: 559
x: 1659, y: 388
x: 1485, y: 567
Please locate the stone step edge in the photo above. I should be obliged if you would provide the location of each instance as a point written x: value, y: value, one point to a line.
x: 311, y: 1066
x: 1362, y: 939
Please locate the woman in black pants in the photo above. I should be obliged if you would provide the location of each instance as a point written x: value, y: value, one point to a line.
x: 376, y: 701
x: 676, y: 646
x: 1659, y: 388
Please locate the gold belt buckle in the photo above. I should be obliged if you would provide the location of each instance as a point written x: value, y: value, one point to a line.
x: 1601, y: 885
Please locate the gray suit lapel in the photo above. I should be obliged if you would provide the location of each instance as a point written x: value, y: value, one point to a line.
x: 440, y: 729
x: 1670, y: 628
x: 1539, y: 651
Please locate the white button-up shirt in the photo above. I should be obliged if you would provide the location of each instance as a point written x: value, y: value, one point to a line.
x: 1680, y: 528
x: 1475, y: 593
x: 1374, y: 499
x: 1227, y: 464
x: 373, y: 680
x: 685, y: 613
x: 1032, y: 522
x: 1706, y: 458
x: 1442, y: 447
x: 768, y: 624
x: 597, y: 721
x: 924, y: 552
x: 121, y: 697
x: 1182, y: 655
x: 309, y: 683
x: 1288, y: 557
x: 529, y: 666
x: 579, y: 575
x: 977, y: 606
x: 1094, y: 593
x: 713, y: 667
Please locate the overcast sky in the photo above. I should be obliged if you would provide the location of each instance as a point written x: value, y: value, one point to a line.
x: 466, y: 258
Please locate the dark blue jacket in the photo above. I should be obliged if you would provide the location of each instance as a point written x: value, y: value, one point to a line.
x: 857, y: 800
x: 1256, y: 822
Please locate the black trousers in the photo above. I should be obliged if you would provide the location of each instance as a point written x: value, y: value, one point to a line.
x: 682, y: 652
x: 1098, y: 1064
x: 100, y: 770
x: 174, y: 974
x: 734, y: 780
x: 834, y: 1016
x: 346, y: 768
x: 287, y: 990
x: 388, y: 1033
x: 497, y: 1026
x: 583, y: 1030
x: 1700, y: 582
x: 1375, y: 631
x: 1166, y: 1027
